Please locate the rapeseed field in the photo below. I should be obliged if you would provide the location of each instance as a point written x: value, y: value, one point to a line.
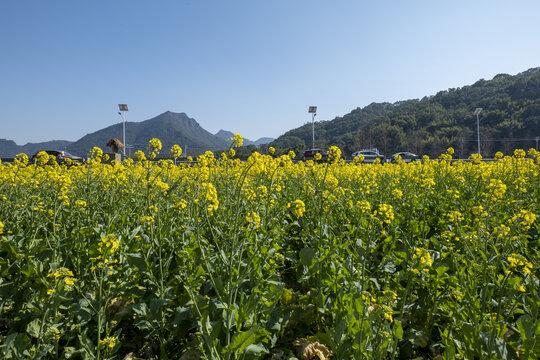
x: 269, y: 259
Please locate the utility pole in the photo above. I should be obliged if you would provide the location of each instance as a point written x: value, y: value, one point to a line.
x: 477, y: 113
x: 313, y: 111
x: 123, y: 108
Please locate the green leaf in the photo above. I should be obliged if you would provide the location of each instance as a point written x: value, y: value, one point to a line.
x: 7, y: 290
x: 441, y: 270
x: 182, y: 313
x: 33, y: 328
x: 339, y: 332
x: 21, y: 345
x: 398, y: 329
x: 87, y: 345
x: 525, y: 327
x: 155, y: 305
x: 140, y: 309
x: 307, y: 255
x: 254, y: 351
x: 200, y: 271
x: 246, y: 338
x: 135, y: 231
x: 143, y: 324
x: 8, y: 343
x: 275, y: 320
x: 137, y: 261
x: 389, y: 267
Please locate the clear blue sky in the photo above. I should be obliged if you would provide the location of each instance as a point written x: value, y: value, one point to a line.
x: 248, y: 66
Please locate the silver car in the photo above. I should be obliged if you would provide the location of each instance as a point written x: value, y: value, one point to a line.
x: 369, y: 155
x: 405, y: 157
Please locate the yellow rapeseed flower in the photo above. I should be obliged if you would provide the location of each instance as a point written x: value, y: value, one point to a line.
x: 254, y: 218
x: 475, y: 158
x: 42, y: 158
x: 80, y: 203
x: 154, y: 146
x: 398, y: 194
x: 108, y: 245
x: 334, y: 153
x: 109, y: 342
x: 21, y: 160
x: 139, y: 155
x: 519, y: 153
x: 299, y: 208
x: 182, y: 204
x: 237, y: 140
x: 423, y: 256
x: 211, y: 196
x: 176, y: 151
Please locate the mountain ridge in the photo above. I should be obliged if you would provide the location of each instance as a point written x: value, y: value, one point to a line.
x: 170, y: 127
x: 225, y: 134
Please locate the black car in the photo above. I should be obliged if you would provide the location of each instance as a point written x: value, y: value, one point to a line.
x: 405, y: 157
x: 60, y: 156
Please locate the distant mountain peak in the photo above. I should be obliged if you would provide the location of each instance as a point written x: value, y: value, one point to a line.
x: 170, y: 127
x: 172, y: 114
x: 224, y: 134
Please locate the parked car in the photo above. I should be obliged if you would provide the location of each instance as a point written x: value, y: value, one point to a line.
x: 310, y: 154
x: 405, y: 157
x: 60, y: 156
x: 369, y: 155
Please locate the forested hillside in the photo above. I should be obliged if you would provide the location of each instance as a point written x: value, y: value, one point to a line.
x: 510, y: 119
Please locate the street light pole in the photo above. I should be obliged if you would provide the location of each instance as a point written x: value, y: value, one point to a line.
x: 123, y: 108
x: 477, y: 113
x: 313, y: 111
